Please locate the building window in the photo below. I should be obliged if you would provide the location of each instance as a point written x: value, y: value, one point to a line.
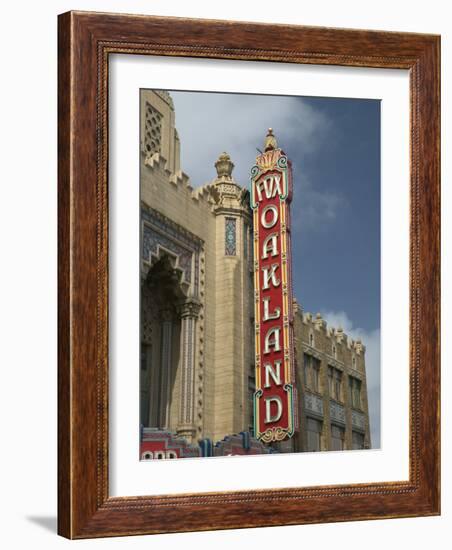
x: 355, y: 392
x: 335, y: 383
x: 311, y: 373
x: 230, y: 237
x: 357, y: 440
x: 311, y: 339
x: 337, y: 438
x: 334, y: 352
x: 314, y: 434
x: 153, y: 130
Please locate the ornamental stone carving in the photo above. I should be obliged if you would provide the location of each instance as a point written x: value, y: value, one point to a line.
x: 160, y: 233
x: 313, y: 403
x: 224, y: 166
x: 226, y: 191
x: 189, y: 312
x: 358, y: 420
x: 337, y: 412
x: 190, y: 308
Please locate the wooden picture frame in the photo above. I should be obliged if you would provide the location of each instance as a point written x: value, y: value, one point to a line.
x: 86, y: 40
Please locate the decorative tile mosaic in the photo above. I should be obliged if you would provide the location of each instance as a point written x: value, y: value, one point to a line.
x: 230, y: 237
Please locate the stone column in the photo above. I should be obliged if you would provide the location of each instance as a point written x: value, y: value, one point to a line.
x: 232, y: 305
x: 164, y: 396
x: 326, y: 432
x: 348, y: 410
x: 189, y: 312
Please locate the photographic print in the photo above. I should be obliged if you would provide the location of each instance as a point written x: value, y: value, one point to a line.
x: 260, y: 274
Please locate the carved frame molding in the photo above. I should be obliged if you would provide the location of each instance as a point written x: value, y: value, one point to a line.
x: 86, y: 40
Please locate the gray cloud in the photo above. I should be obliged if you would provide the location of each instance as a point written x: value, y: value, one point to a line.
x: 318, y: 209
x: 371, y: 339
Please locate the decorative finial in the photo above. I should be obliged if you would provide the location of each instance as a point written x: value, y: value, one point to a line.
x: 296, y: 306
x: 224, y: 165
x: 270, y: 141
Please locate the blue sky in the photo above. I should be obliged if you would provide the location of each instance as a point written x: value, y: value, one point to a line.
x: 334, y: 145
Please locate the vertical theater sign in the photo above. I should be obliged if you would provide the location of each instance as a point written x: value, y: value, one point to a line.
x: 275, y: 417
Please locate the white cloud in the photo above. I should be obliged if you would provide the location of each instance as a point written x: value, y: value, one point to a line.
x: 209, y: 123
x: 371, y: 339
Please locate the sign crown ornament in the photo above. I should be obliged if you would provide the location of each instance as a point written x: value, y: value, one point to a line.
x: 270, y: 141
x: 271, y: 154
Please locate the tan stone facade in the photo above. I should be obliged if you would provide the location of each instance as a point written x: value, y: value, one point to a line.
x: 197, y: 352
x: 205, y: 389
x: 331, y: 380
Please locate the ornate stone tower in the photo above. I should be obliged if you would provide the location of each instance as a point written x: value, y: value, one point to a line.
x: 233, y: 302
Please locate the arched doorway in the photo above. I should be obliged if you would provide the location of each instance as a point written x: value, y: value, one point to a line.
x: 161, y: 296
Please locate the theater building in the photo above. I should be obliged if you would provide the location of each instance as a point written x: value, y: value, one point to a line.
x: 197, y: 372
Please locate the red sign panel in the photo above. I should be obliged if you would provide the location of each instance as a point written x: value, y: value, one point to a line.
x: 275, y: 416
x: 159, y: 444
